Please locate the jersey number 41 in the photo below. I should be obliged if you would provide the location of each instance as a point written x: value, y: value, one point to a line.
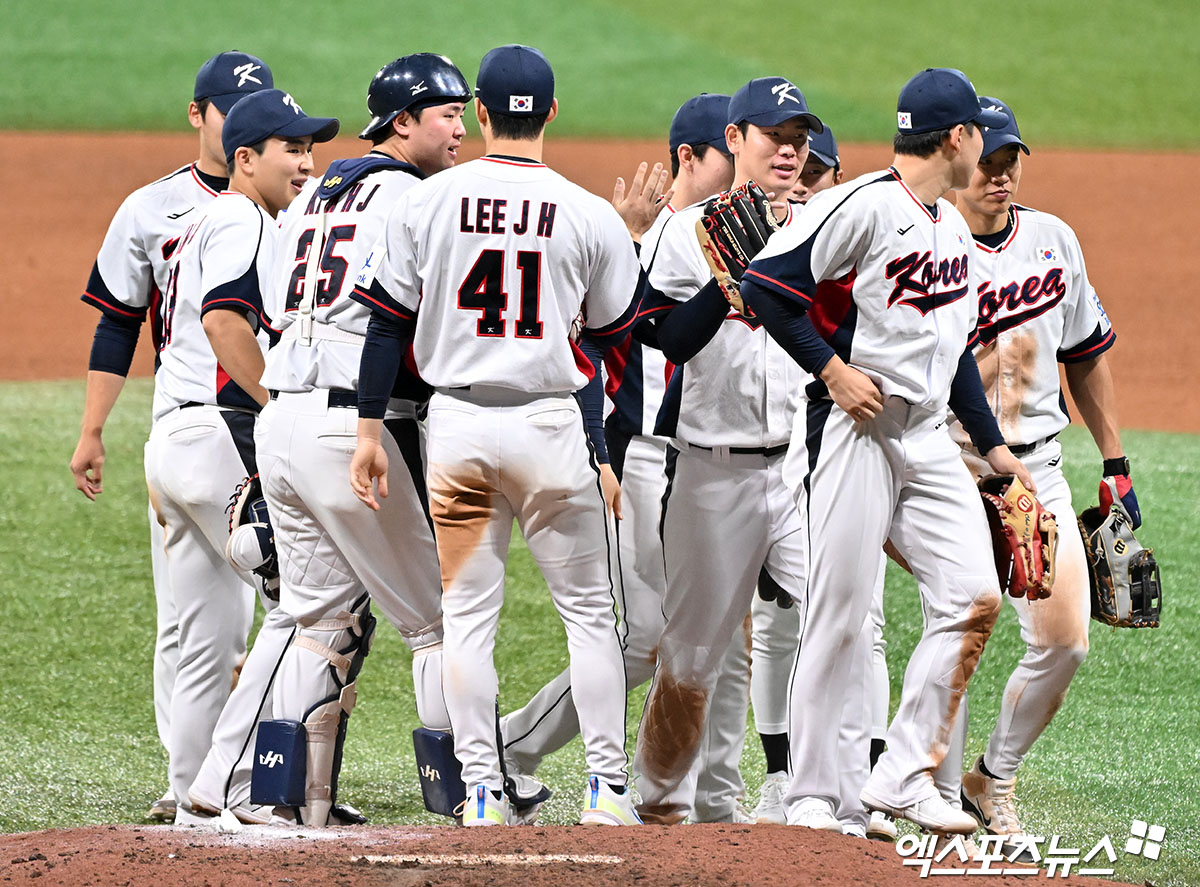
x: 483, y: 290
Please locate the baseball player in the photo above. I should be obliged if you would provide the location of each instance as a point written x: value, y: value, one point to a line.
x: 822, y: 169
x: 1037, y: 309
x: 206, y: 397
x: 486, y: 266
x: 126, y: 284
x: 776, y: 627
x: 333, y: 552
x: 727, y: 411
x: 637, y: 374
x: 870, y: 456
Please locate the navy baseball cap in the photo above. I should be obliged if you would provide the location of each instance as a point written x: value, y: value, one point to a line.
x: 271, y: 112
x: 939, y: 98
x: 701, y: 120
x: 769, y: 101
x: 515, y: 80
x: 997, y: 137
x: 823, y: 146
x: 229, y: 76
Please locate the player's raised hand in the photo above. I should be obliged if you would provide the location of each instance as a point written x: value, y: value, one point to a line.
x: 640, y: 206
x: 1004, y: 462
x: 852, y: 390
x: 87, y: 465
x: 369, y: 464
x: 612, y: 490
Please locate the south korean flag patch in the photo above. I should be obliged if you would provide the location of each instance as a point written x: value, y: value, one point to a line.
x: 522, y: 103
x: 903, y: 120
x: 1047, y: 254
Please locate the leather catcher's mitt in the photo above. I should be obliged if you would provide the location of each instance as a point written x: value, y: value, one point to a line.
x: 734, y: 228
x: 251, y: 545
x: 1126, y: 592
x: 1024, y: 536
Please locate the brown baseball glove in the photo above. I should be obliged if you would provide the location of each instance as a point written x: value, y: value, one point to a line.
x: 1024, y: 536
x: 734, y: 228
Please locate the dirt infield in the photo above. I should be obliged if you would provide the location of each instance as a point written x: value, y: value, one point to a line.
x: 1135, y: 215
x: 651, y: 856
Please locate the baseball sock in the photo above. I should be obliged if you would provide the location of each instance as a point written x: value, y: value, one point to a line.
x: 985, y: 771
x: 775, y: 748
x: 878, y: 747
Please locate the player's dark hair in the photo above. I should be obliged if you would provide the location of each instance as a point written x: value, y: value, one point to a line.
x: 518, y: 129
x: 698, y: 151
x: 922, y: 144
x: 257, y: 149
x: 381, y: 135
x: 202, y: 106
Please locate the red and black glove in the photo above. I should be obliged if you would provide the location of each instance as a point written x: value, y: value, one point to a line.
x: 1117, y: 486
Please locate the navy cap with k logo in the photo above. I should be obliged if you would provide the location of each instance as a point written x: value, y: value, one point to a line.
x: 229, y: 76
x: 769, y: 101
x: 939, y: 98
x: 271, y: 112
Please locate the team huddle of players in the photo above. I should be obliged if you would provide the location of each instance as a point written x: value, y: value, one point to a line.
x: 407, y: 354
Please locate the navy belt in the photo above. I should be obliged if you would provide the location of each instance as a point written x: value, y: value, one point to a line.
x: 777, y: 450
x: 1026, y: 449
x: 338, y: 397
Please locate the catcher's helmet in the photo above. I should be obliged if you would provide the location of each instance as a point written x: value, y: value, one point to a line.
x: 413, y: 81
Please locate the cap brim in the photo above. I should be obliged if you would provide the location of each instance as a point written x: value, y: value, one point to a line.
x: 991, y: 119
x: 831, y: 162
x: 224, y: 103
x: 774, y: 118
x: 322, y: 129
x: 992, y: 144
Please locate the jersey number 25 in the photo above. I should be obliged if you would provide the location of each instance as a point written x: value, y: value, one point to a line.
x: 333, y: 265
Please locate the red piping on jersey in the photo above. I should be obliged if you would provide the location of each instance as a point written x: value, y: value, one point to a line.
x: 1108, y: 338
x: 916, y: 200
x: 218, y: 302
x: 100, y: 303
x: 776, y: 283
x: 582, y: 363
x: 364, y: 294
x: 200, y: 181
x: 1007, y: 240
x: 530, y: 163
x: 222, y: 379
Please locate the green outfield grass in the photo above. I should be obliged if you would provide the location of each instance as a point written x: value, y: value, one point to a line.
x: 1079, y: 72
x: 80, y: 744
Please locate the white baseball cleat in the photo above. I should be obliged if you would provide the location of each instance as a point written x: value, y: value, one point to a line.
x: 992, y: 802
x: 815, y: 813
x: 484, y: 807
x: 770, y: 809
x: 882, y: 827
x: 931, y: 813
x: 854, y: 830
x: 527, y: 795
x: 604, y: 804
x: 162, y: 810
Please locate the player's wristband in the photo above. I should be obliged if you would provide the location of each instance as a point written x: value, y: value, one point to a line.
x: 1116, y: 467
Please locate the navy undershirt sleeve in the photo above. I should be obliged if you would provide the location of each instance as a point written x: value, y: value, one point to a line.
x: 788, y: 323
x: 591, y: 397
x: 970, y: 405
x: 382, y: 356
x: 690, y: 326
x: 113, y: 345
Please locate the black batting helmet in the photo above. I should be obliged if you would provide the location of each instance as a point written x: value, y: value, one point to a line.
x: 413, y: 81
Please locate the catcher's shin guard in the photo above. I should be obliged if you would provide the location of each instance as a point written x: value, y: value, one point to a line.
x: 344, y: 639
x: 440, y: 772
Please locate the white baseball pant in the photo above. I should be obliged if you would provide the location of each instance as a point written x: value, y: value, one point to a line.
x: 193, y: 465
x: 725, y: 516
x: 496, y: 455
x: 858, y: 484
x: 331, y: 549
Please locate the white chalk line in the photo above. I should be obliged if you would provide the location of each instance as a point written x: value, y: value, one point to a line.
x: 515, y: 859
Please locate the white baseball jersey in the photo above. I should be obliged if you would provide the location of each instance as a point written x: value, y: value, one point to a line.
x: 900, y: 309
x: 346, y: 210
x: 224, y: 260
x: 636, y: 374
x: 1037, y: 308
x: 130, y: 272
x: 494, y: 258
x: 717, y: 397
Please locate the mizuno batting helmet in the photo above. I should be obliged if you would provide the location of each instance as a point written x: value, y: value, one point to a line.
x: 414, y: 81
